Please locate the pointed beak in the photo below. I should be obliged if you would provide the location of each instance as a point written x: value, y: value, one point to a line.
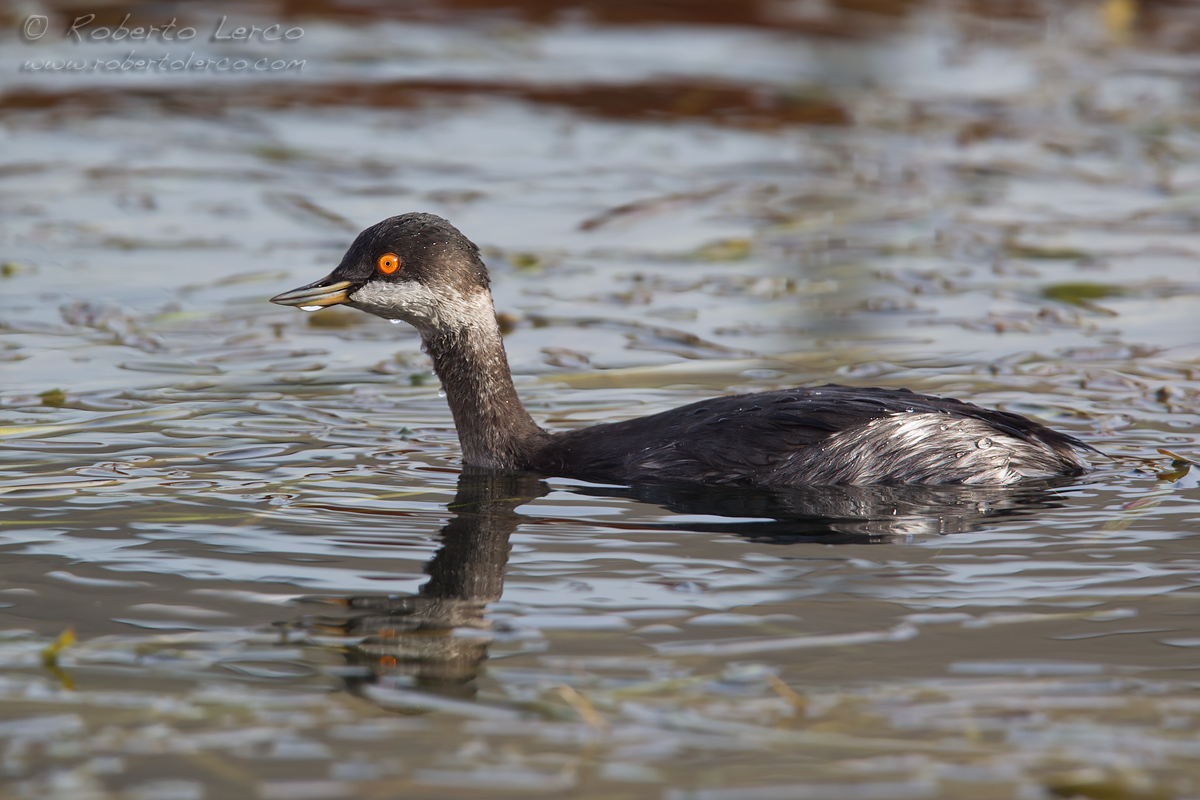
x: 325, y: 292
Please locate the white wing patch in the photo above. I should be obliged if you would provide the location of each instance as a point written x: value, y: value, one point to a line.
x: 931, y: 448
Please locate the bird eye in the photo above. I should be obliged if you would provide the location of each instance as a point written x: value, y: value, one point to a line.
x: 388, y: 263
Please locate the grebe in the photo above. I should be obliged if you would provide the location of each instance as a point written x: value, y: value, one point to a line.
x: 421, y: 269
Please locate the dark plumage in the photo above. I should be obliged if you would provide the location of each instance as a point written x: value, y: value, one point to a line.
x: 802, y: 437
x: 421, y: 269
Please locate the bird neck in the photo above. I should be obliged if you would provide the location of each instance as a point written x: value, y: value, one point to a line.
x: 468, y: 356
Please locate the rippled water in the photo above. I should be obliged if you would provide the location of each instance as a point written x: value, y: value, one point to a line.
x: 240, y: 560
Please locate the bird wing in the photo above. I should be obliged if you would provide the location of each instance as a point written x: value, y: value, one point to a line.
x: 744, y: 439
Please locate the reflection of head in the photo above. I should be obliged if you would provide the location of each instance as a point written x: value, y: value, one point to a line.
x: 413, y: 635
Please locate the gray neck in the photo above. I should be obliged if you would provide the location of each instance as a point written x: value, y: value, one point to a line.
x: 494, y: 428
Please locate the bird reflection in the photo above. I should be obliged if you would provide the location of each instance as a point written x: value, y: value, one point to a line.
x: 410, y: 640
x: 844, y: 514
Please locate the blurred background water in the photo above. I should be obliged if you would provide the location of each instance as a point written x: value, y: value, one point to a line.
x: 239, y: 559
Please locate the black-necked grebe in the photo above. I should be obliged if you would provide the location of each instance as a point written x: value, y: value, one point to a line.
x: 420, y: 269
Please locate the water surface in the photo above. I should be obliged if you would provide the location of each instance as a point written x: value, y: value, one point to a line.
x: 253, y: 523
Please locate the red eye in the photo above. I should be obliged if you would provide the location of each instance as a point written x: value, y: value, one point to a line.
x: 388, y: 263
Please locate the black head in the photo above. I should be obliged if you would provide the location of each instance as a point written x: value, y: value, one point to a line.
x: 415, y: 267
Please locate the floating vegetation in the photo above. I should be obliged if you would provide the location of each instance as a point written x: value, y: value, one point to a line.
x: 334, y: 318
x: 725, y: 250
x: 55, y: 398
x: 1046, y: 251
x: 1081, y: 293
x: 9, y: 269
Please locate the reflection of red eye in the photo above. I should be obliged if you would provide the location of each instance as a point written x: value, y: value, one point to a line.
x: 389, y: 263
